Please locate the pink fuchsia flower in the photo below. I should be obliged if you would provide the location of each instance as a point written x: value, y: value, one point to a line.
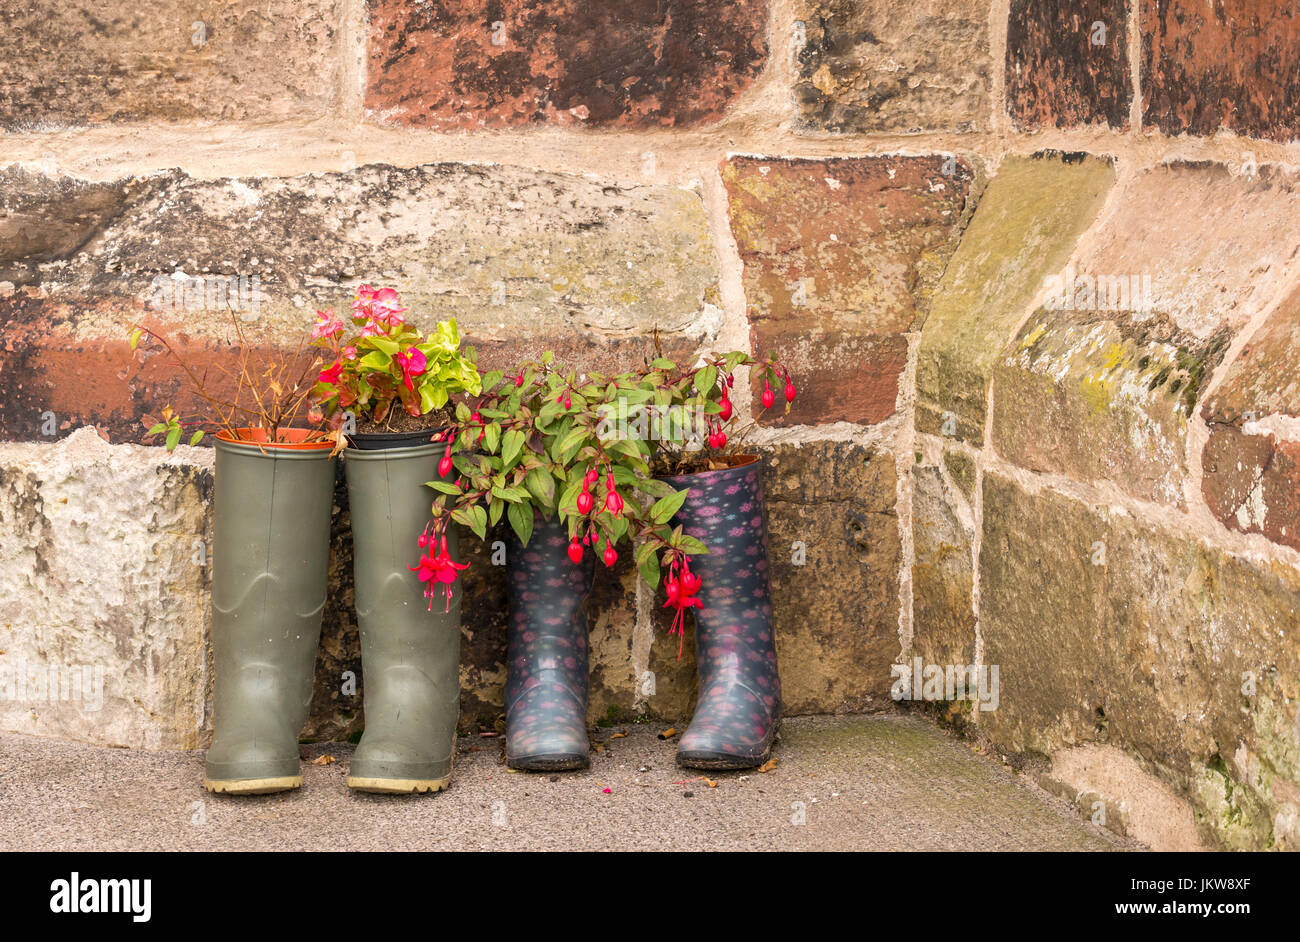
x: 413, y: 364
x: 438, y: 569
x: 327, y: 325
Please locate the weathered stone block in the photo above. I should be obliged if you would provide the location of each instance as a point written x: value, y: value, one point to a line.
x: 524, y: 260
x: 1251, y: 462
x: 1040, y: 594
x: 103, y: 587
x: 1097, y: 400
x: 1228, y: 64
x: 961, y: 471
x: 841, y: 257
x: 1109, y: 629
x: 835, y: 555
x: 1067, y: 64
x: 872, y: 65
x: 1026, y: 224
x: 76, y: 63
x: 493, y: 63
x: 1100, y: 383
x: 943, y: 572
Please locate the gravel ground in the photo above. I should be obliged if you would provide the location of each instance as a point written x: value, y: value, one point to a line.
x: 842, y: 783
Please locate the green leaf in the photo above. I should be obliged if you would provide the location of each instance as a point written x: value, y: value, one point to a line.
x: 655, y: 487
x: 569, y: 444
x: 541, y: 485
x: 705, y: 380
x: 479, y: 521
x: 135, y: 338
x: 157, y: 429
x: 445, y: 487
x: 649, y: 570
x: 521, y: 521
x: 494, y: 512
x: 569, y: 497
x: 548, y: 413
x: 688, y: 544
x: 492, y: 436
x: 173, y: 437
x: 511, y: 445
x: 663, y: 363
x: 666, y: 507
x: 196, y: 438
x: 376, y: 360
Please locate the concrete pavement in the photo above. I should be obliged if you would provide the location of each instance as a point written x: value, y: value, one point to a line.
x: 887, y: 782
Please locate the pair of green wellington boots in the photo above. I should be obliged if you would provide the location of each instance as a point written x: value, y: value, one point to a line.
x: 269, y: 584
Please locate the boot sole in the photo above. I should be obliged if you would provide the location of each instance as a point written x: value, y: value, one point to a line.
x: 720, y: 763
x: 398, y: 786
x: 253, y: 786
x: 549, y: 763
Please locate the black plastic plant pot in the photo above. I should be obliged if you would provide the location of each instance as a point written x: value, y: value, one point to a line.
x: 739, y: 705
x: 269, y: 572
x: 383, y: 441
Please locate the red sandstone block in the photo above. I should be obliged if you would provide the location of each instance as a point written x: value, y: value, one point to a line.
x: 1226, y: 64
x: 1067, y: 63
x: 501, y: 63
x: 840, y: 259
x: 1252, y: 459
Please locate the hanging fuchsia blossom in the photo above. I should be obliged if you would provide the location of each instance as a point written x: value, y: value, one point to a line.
x: 438, y: 569
x: 682, y: 587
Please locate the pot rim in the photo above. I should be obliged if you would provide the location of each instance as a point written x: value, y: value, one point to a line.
x: 257, y: 438
x: 392, y: 437
x: 740, y: 463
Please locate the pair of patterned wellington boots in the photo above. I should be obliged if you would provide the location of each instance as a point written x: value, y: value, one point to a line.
x: 270, y: 561
x: 739, y: 702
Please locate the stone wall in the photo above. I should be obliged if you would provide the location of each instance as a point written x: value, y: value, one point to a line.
x: 1094, y: 488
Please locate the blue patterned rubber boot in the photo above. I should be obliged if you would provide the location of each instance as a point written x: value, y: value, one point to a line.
x: 546, y: 689
x: 739, y: 705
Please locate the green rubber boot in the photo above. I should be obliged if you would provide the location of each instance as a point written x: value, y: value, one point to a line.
x: 410, y: 655
x: 271, y: 548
